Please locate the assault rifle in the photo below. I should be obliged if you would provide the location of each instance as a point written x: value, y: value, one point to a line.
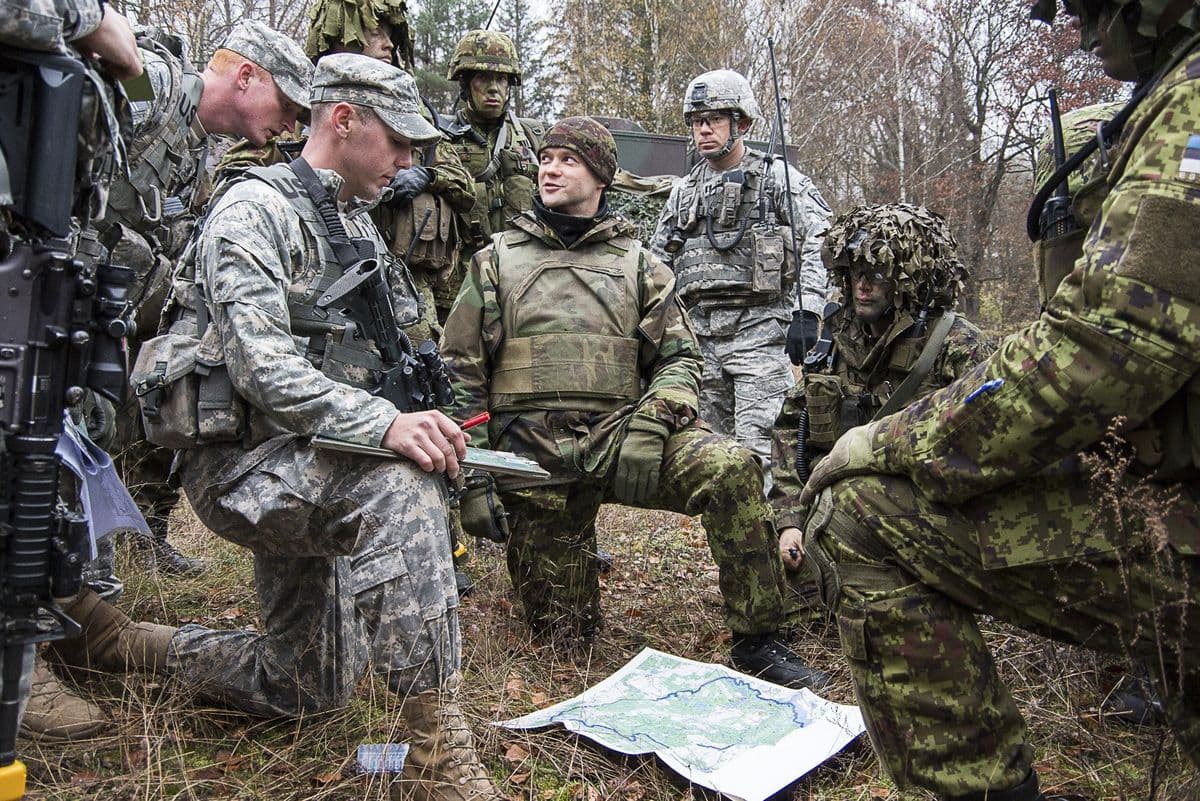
x: 60, y: 331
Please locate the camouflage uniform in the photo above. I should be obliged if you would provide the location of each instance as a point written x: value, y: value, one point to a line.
x: 741, y: 298
x: 850, y: 380
x: 500, y: 155
x: 166, y: 152
x: 350, y: 558
x: 47, y: 25
x: 571, y: 348
x: 974, y: 498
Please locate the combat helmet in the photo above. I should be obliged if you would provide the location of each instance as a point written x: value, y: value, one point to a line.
x: 485, y: 51
x: 345, y: 23
x: 910, y: 245
x: 721, y: 90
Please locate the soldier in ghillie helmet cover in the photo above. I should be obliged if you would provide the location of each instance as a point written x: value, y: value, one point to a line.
x: 498, y: 148
x: 375, y: 28
x: 614, y: 419
x: 894, y: 337
x: 1055, y: 485
x: 725, y: 233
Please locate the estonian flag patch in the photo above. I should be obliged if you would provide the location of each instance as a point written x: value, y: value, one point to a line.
x: 1189, y: 168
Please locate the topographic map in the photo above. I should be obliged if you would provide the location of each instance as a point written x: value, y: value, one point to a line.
x: 741, y: 736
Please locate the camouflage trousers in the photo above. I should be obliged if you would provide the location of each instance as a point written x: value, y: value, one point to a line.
x: 351, y: 569
x: 905, y: 578
x: 552, y: 548
x: 746, y: 377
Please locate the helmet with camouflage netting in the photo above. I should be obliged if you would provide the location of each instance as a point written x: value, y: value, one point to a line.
x: 721, y: 90
x: 910, y: 246
x: 334, y: 24
x: 485, y: 51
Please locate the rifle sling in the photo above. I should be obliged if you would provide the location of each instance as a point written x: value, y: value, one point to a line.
x: 346, y: 251
x: 908, y: 387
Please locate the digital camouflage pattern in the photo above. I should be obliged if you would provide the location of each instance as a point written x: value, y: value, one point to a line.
x: 1079, y: 126
x: 746, y: 369
x: 910, y: 245
x: 362, y: 542
x: 47, y: 24
x: 577, y: 433
x: 484, y: 51
x: 290, y: 69
x: 346, y: 23
x: 865, y: 371
x: 973, y: 499
x: 350, y: 567
x: 388, y: 91
x: 590, y: 140
x: 721, y: 90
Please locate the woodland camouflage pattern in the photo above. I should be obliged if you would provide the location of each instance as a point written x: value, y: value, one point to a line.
x: 588, y: 138
x: 484, y: 51
x: 973, y: 499
x: 577, y: 437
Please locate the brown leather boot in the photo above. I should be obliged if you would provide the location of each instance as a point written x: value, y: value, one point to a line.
x: 110, y: 640
x: 54, y: 714
x: 442, y: 764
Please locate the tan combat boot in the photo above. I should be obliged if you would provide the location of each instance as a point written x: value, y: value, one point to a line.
x: 110, y: 640
x: 54, y: 714
x: 442, y: 764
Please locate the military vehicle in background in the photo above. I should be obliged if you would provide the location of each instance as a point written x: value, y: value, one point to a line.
x: 650, y: 163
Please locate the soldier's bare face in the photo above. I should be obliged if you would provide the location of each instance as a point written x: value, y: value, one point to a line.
x: 566, y: 184
x: 379, y: 43
x: 489, y: 93
x: 872, y: 293
x: 710, y: 130
x: 372, y: 155
x: 263, y: 110
x: 1115, y: 50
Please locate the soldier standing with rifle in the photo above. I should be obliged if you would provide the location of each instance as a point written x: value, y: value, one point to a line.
x: 351, y: 564
x: 979, y: 497
x: 729, y: 232
x: 59, y: 149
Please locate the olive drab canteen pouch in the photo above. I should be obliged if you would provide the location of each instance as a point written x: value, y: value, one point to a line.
x: 184, y: 392
x: 823, y: 398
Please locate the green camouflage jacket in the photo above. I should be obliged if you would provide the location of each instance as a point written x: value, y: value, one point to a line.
x: 1120, y: 338
x: 865, y: 372
x: 574, y: 435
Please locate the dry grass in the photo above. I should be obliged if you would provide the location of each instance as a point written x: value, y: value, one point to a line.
x: 663, y: 594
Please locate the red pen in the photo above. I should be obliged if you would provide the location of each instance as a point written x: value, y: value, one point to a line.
x: 478, y: 419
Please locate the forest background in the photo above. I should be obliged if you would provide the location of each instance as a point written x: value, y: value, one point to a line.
x: 936, y: 102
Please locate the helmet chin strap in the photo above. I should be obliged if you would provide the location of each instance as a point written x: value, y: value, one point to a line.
x: 727, y: 148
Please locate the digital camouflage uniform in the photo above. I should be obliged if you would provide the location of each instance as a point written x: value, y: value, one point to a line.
x: 741, y: 297
x: 500, y: 155
x: 974, y: 499
x: 47, y: 25
x: 848, y: 382
x: 351, y: 564
x: 154, y: 212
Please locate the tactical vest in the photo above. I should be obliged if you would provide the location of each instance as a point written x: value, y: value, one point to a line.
x: 733, y: 255
x: 180, y: 376
x: 846, y: 397
x: 505, y: 181
x: 165, y: 157
x: 570, y: 321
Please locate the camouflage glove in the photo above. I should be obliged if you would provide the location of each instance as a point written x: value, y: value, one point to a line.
x: 480, y: 509
x: 640, y: 460
x: 854, y: 454
x: 802, y: 334
x: 408, y: 184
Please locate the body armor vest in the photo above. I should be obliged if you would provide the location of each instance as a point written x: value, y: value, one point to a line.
x: 570, y: 321
x: 505, y: 181
x: 735, y: 253
x: 166, y: 157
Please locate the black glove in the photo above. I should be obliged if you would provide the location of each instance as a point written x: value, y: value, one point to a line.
x: 409, y: 183
x: 802, y: 334
x: 482, y: 513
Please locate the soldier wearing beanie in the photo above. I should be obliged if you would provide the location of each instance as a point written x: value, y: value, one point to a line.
x: 569, y: 332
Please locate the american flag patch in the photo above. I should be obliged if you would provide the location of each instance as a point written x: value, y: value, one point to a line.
x: 1189, y: 168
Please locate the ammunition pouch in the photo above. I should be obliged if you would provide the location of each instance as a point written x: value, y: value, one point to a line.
x: 824, y: 400
x: 435, y: 249
x: 184, y: 392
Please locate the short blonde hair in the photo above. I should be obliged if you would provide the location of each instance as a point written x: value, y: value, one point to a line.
x: 224, y: 62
